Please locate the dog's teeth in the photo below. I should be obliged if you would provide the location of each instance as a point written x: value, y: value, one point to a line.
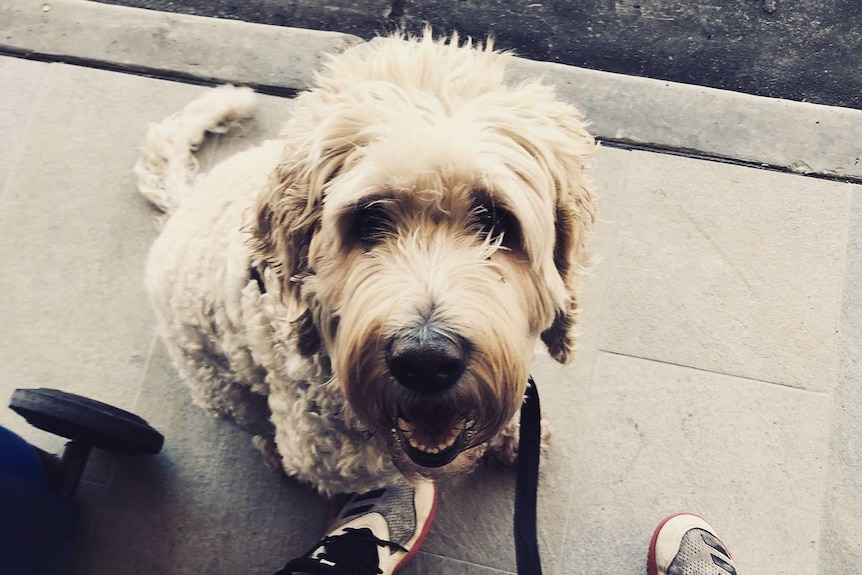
x: 416, y: 445
x: 408, y: 431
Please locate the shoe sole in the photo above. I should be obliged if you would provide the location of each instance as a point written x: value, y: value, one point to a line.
x: 417, y: 541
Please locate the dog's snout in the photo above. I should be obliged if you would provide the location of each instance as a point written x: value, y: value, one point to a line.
x: 427, y: 362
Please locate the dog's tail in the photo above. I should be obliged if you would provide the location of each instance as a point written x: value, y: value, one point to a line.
x: 167, y: 168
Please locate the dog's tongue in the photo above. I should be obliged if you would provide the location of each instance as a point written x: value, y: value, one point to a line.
x: 431, y: 435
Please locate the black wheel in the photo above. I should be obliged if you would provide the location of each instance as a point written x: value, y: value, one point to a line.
x: 86, y: 420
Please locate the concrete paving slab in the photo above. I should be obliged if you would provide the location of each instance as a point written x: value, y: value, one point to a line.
x: 73, y: 243
x: 660, y: 439
x: 425, y: 563
x: 20, y: 85
x: 802, y: 137
x: 726, y: 268
x: 159, y: 43
x: 841, y: 550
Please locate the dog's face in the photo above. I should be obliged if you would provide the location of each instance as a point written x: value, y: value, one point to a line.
x: 431, y: 238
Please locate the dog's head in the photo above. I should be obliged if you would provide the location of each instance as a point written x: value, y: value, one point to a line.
x: 430, y: 222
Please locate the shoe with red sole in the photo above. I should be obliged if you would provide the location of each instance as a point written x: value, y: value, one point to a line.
x: 376, y: 533
x: 685, y: 544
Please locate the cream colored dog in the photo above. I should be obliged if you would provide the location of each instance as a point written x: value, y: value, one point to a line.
x: 365, y: 293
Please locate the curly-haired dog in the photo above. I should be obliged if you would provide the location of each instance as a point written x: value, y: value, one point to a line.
x: 365, y: 293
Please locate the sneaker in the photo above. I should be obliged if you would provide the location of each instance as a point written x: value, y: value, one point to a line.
x: 685, y: 544
x: 376, y: 533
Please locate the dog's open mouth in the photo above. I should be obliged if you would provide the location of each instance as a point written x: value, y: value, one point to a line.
x: 429, y: 444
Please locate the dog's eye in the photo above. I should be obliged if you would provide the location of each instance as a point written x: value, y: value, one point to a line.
x: 498, y: 224
x: 371, y: 224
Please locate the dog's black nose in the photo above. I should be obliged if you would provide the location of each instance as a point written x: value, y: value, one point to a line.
x: 426, y: 361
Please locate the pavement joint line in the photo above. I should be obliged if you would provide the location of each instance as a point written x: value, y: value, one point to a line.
x: 470, y: 563
x: 622, y: 144
x: 704, y: 370
x: 155, y: 340
x: 145, y: 71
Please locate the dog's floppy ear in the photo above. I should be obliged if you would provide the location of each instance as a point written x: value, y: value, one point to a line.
x: 575, y: 212
x: 287, y: 216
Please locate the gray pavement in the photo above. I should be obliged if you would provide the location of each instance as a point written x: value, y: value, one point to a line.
x: 719, y: 366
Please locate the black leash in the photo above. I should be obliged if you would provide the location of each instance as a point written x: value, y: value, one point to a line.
x: 527, y: 484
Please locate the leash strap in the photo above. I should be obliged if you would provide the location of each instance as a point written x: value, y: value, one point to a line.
x: 527, y: 484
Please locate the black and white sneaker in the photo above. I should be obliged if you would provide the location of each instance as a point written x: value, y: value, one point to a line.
x: 376, y: 533
x: 685, y: 544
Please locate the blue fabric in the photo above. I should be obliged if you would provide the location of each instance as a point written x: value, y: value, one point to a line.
x: 37, y: 525
x: 37, y: 528
x: 19, y: 458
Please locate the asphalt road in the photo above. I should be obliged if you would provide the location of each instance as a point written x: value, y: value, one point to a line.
x: 805, y: 50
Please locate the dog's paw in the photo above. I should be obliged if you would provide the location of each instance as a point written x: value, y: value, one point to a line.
x: 503, y: 447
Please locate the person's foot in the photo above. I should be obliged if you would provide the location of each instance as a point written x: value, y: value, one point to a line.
x: 375, y: 533
x: 685, y: 544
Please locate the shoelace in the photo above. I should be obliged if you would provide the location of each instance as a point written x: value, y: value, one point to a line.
x: 348, y: 553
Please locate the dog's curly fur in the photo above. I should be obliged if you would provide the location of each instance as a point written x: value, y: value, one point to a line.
x: 415, y: 201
